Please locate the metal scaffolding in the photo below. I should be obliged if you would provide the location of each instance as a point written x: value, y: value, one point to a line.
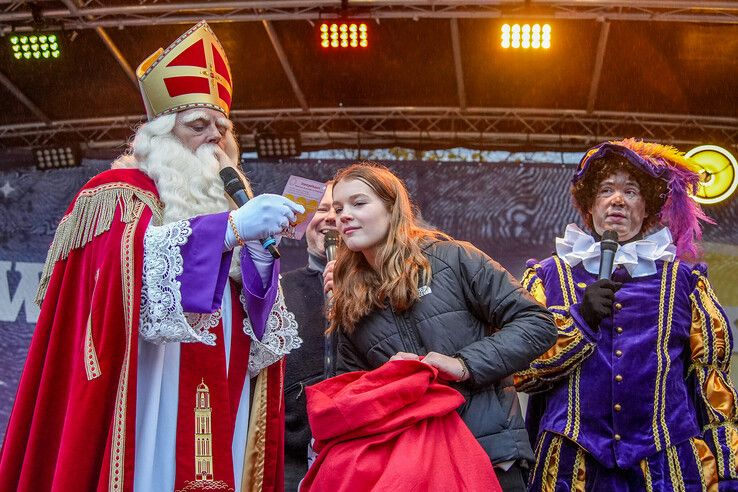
x: 367, y: 127
x: 420, y: 128
x: 19, y: 16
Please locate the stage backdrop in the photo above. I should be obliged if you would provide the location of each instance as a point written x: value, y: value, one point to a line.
x: 511, y: 211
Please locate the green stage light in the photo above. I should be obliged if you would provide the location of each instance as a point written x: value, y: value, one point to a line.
x: 35, y: 46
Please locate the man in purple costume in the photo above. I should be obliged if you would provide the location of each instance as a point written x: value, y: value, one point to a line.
x: 635, y: 395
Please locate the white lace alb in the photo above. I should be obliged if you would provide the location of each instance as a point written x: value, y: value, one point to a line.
x: 162, y: 317
x: 280, y: 336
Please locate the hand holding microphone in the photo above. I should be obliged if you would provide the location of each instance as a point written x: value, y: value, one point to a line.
x: 330, y: 243
x: 328, y: 279
x: 598, y: 300
x: 259, y: 218
x: 600, y: 296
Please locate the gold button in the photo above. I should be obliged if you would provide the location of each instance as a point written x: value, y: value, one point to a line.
x: 618, y: 353
x: 617, y: 407
x: 618, y: 305
x: 617, y: 437
x: 619, y: 329
x: 581, y: 285
x: 618, y: 378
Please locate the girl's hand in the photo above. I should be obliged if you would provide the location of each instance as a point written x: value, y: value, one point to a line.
x: 449, y: 368
x: 328, y: 276
x: 404, y: 356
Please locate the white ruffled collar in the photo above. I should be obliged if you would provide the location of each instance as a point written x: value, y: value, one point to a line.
x: 638, y: 257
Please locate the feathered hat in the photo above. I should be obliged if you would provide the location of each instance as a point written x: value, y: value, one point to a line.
x: 679, y: 212
x: 192, y: 72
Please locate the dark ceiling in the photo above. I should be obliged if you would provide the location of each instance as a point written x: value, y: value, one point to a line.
x: 674, y: 78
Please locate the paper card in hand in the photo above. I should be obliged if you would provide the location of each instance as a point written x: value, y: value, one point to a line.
x: 307, y: 193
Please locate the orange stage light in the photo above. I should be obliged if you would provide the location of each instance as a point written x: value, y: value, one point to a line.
x: 526, y: 36
x: 344, y: 35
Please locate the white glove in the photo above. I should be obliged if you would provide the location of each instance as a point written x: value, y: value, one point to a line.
x: 262, y: 260
x: 261, y: 217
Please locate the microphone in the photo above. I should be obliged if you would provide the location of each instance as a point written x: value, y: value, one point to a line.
x: 330, y: 243
x: 608, y: 246
x: 235, y: 189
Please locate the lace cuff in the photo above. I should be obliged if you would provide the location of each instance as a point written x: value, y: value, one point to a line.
x: 162, y: 317
x: 280, y: 336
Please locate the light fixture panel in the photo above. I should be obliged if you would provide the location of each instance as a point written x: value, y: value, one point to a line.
x: 344, y: 35
x: 525, y: 36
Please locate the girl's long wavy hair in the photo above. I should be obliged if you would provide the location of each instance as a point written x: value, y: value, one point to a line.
x: 359, y: 288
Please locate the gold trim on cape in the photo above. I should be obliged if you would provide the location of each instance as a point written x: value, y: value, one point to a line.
x: 127, y: 265
x: 252, y: 479
x: 92, y: 365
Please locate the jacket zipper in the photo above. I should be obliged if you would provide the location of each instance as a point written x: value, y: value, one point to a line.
x: 414, y: 335
x: 408, y: 344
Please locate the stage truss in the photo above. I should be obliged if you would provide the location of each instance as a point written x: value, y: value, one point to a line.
x: 420, y: 128
x: 373, y: 127
x: 89, y: 14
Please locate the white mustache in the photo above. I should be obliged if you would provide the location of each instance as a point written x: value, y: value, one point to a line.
x: 210, y: 153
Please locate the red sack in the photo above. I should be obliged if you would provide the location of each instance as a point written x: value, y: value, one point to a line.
x: 393, y: 428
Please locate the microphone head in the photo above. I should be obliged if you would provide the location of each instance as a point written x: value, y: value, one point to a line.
x: 330, y: 239
x: 609, y: 240
x: 231, y: 180
x: 330, y: 243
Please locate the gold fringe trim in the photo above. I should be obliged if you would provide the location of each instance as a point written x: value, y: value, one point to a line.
x: 91, y: 216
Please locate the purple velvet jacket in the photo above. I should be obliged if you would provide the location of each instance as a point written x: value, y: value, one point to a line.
x: 653, y: 375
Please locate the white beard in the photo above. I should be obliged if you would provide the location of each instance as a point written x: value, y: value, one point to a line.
x: 188, y: 183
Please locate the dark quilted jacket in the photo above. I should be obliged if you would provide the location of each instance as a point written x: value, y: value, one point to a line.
x: 475, y: 309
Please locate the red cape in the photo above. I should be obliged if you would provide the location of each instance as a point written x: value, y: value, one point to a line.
x: 73, y: 423
x: 394, y: 428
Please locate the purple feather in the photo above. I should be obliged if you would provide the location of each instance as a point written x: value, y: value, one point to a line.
x: 682, y: 214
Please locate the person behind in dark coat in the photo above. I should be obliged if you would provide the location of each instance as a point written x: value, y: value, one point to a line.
x: 303, y: 293
x: 402, y: 291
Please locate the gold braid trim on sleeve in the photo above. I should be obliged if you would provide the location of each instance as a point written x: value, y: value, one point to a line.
x: 533, y: 284
x: 91, y: 216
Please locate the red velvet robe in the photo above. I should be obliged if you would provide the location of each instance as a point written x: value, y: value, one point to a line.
x: 72, y: 427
